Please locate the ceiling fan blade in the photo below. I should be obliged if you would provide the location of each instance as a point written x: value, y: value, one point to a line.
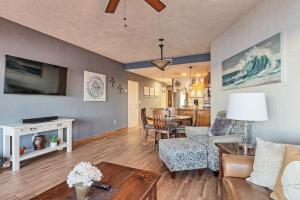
x: 112, y: 6
x: 156, y: 4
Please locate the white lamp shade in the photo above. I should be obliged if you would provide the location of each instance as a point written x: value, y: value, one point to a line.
x: 247, y: 107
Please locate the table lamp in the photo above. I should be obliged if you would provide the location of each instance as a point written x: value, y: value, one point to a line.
x: 250, y: 107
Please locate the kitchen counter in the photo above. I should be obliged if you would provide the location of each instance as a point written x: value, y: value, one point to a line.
x: 193, y: 108
x: 202, y: 115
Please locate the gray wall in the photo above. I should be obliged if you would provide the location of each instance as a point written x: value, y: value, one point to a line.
x: 267, y: 19
x: 91, y: 117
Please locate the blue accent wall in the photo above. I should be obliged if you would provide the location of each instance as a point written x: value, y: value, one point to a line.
x: 91, y: 117
x: 175, y: 61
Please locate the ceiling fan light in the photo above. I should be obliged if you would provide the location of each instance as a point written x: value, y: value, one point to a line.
x: 161, y: 64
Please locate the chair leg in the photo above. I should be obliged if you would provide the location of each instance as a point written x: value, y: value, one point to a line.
x: 200, y: 172
x: 146, y: 134
x: 216, y: 173
x: 173, y: 175
x: 155, y: 140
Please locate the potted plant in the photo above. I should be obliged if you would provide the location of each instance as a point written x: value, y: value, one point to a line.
x: 53, y: 141
x: 82, y: 177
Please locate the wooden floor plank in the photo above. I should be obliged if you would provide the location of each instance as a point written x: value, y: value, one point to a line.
x: 127, y: 149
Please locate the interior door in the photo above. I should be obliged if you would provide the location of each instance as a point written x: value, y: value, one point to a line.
x: 133, y: 103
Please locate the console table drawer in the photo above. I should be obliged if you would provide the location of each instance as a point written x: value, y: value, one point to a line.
x: 61, y: 125
x: 48, y: 127
x: 27, y: 130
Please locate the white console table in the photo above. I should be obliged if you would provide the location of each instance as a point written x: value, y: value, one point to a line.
x: 12, y: 134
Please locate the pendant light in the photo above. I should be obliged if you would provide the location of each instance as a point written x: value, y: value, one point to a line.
x: 190, y: 86
x: 161, y: 63
x: 177, y: 85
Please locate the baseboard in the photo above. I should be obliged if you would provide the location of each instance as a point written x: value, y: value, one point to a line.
x: 97, y: 137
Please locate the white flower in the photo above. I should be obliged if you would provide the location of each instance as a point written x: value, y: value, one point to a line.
x: 84, y: 173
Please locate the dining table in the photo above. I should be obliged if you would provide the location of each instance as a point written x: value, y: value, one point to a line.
x: 182, y: 119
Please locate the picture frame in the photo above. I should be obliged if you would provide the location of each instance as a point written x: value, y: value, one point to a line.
x: 152, y: 92
x: 260, y: 64
x: 146, y: 91
x: 94, y: 86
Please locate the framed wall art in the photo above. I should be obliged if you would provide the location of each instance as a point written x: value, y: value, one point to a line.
x: 146, y: 91
x: 258, y: 65
x: 94, y: 86
x: 152, y: 92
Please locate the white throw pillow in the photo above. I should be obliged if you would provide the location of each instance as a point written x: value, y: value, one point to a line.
x: 267, y: 163
x: 291, y: 181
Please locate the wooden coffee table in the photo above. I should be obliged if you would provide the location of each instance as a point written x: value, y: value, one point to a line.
x: 126, y: 183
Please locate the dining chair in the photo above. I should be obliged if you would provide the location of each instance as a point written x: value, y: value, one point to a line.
x: 174, y: 111
x: 180, y: 130
x: 146, y: 125
x: 163, y: 127
x: 188, y: 122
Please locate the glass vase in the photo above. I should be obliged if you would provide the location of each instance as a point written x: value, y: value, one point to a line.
x: 82, y: 192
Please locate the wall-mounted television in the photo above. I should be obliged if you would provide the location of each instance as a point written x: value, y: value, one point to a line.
x: 23, y: 76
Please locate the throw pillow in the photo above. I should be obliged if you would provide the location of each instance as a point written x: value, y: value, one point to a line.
x: 220, y: 127
x: 288, y: 181
x: 267, y: 163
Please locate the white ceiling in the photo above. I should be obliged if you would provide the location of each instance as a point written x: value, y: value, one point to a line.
x: 188, y: 26
x: 175, y: 71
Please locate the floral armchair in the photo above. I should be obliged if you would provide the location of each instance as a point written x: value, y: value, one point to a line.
x: 198, y: 150
x: 236, y: 132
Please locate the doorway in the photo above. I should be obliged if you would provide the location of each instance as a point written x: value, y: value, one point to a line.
x: 170, y: 100
x: 133, y: 103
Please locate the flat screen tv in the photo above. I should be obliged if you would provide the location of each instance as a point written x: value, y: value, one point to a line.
x: 23, y: 76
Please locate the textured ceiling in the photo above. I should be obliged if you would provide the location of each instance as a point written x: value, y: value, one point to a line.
x: 188, y: 26
x: 175, y: 71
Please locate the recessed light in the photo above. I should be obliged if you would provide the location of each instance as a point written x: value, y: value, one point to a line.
x: 183, y: 74
x: 198, y: 75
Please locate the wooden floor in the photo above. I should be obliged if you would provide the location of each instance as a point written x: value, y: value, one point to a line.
x: 126, y: 149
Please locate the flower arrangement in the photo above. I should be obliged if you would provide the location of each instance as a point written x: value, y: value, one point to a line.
x: 84, y: 174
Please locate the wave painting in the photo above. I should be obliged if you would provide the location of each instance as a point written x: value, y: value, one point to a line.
x: 258, y: 65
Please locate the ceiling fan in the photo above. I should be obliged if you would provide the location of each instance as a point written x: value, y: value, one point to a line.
x: 156, y: 4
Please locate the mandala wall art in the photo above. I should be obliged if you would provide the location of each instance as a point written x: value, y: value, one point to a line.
x: 94, y: 86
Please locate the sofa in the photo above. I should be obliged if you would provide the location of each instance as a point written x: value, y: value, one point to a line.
x: 236, y: 169
x: 198, y: 150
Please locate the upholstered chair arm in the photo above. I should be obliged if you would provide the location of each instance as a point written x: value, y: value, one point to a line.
x: 196, y: 131
x: 226, y: 139
x: 238, y: 166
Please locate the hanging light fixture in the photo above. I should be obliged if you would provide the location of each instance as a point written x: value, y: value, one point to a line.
x: 163, y: 87
x: 191, y: 85
x: 161, y: 63
x: 177, y: 85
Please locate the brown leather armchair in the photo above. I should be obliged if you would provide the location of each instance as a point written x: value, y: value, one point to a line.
x: 236, y: 168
